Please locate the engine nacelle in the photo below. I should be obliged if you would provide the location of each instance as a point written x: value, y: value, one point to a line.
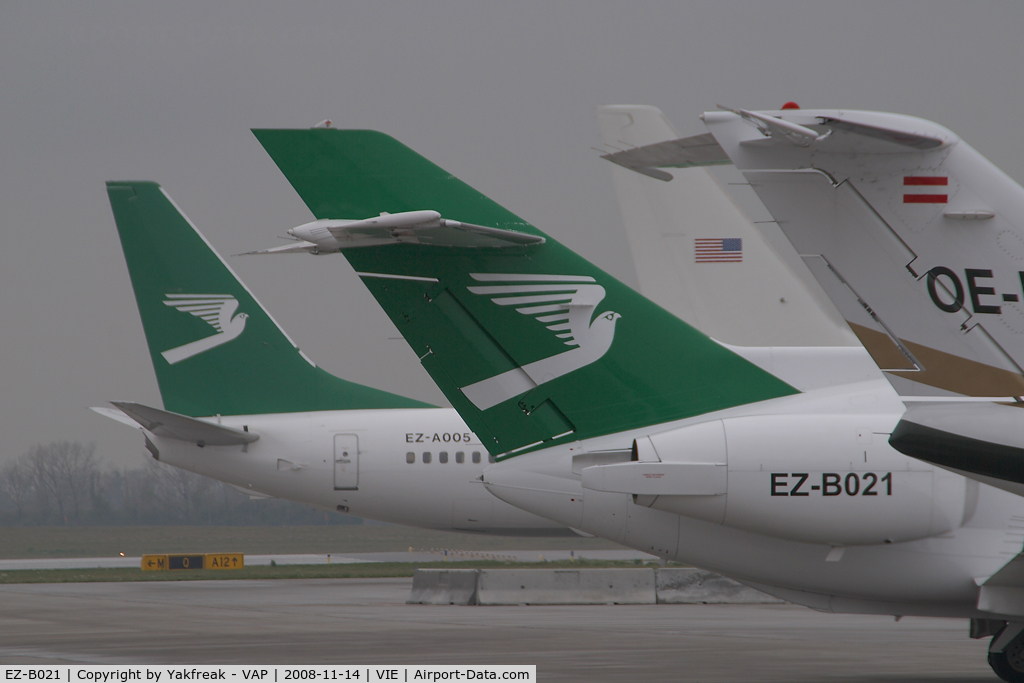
x: 830, y: 479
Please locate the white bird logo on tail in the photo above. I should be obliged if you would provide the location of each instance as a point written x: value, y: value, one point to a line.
x: 216, y: 309
x: 565, y: 304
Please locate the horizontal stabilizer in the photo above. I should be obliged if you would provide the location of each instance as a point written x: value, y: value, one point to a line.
x: 698, y: 150
x: 115, y: 415
x: 896, y: 135
x: 409, y: 227
x: 775, y: 127
x: 297, y: 247
x: 838, y: 131
x: 704, y: 150
x: 184, y: 428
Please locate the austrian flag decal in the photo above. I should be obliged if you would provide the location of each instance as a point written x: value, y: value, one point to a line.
x: 926, y: 189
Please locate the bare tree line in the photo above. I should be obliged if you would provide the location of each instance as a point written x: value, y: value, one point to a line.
x: 62, y: 484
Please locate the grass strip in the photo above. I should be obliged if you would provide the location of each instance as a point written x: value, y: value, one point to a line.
x: 363, y: 570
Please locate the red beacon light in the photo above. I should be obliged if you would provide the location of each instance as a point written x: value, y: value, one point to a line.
x: 790, y: 105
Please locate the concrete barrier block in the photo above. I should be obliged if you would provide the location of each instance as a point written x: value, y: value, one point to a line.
x: 444, y: 587
x: 696, y: 586
x: 566, y: 587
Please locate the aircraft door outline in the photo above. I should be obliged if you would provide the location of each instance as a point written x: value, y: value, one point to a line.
x: 346, y: 462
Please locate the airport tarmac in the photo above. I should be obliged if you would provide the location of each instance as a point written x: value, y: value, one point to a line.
x: 366, y: 621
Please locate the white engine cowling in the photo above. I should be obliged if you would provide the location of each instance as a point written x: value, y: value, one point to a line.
x: 815, y: 478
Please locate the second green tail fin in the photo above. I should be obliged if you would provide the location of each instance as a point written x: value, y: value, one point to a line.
x: 214, y: 348
x: 530, y: 342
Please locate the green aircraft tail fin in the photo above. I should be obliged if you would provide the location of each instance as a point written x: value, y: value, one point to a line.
x: 214, y: 348
x: 532, y: 344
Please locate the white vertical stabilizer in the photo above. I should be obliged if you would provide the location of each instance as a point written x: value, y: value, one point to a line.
x: 740, y: 293
x: 916, y: 237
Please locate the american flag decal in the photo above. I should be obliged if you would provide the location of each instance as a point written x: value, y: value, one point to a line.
x: 918, y: 197
x: 718, y: 250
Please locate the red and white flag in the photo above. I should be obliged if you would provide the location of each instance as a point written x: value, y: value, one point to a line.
x: 926, y: 189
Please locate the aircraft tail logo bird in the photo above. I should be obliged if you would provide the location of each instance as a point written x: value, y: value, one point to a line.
x: 215, y: 309
x: 564, y: 304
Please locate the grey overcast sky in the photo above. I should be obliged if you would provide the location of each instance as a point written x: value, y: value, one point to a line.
x: 500, y: 94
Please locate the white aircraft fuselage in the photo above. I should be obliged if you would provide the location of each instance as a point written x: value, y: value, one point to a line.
x: 358, y: 461
x: 814, y: 506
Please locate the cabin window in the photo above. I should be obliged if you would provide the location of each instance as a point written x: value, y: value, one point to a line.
x: 410, y: 457
x: 490, y: 459
x: 476, y: 457
x: 442, y: 457
x: 460, y: 457
x: 426, y: 457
